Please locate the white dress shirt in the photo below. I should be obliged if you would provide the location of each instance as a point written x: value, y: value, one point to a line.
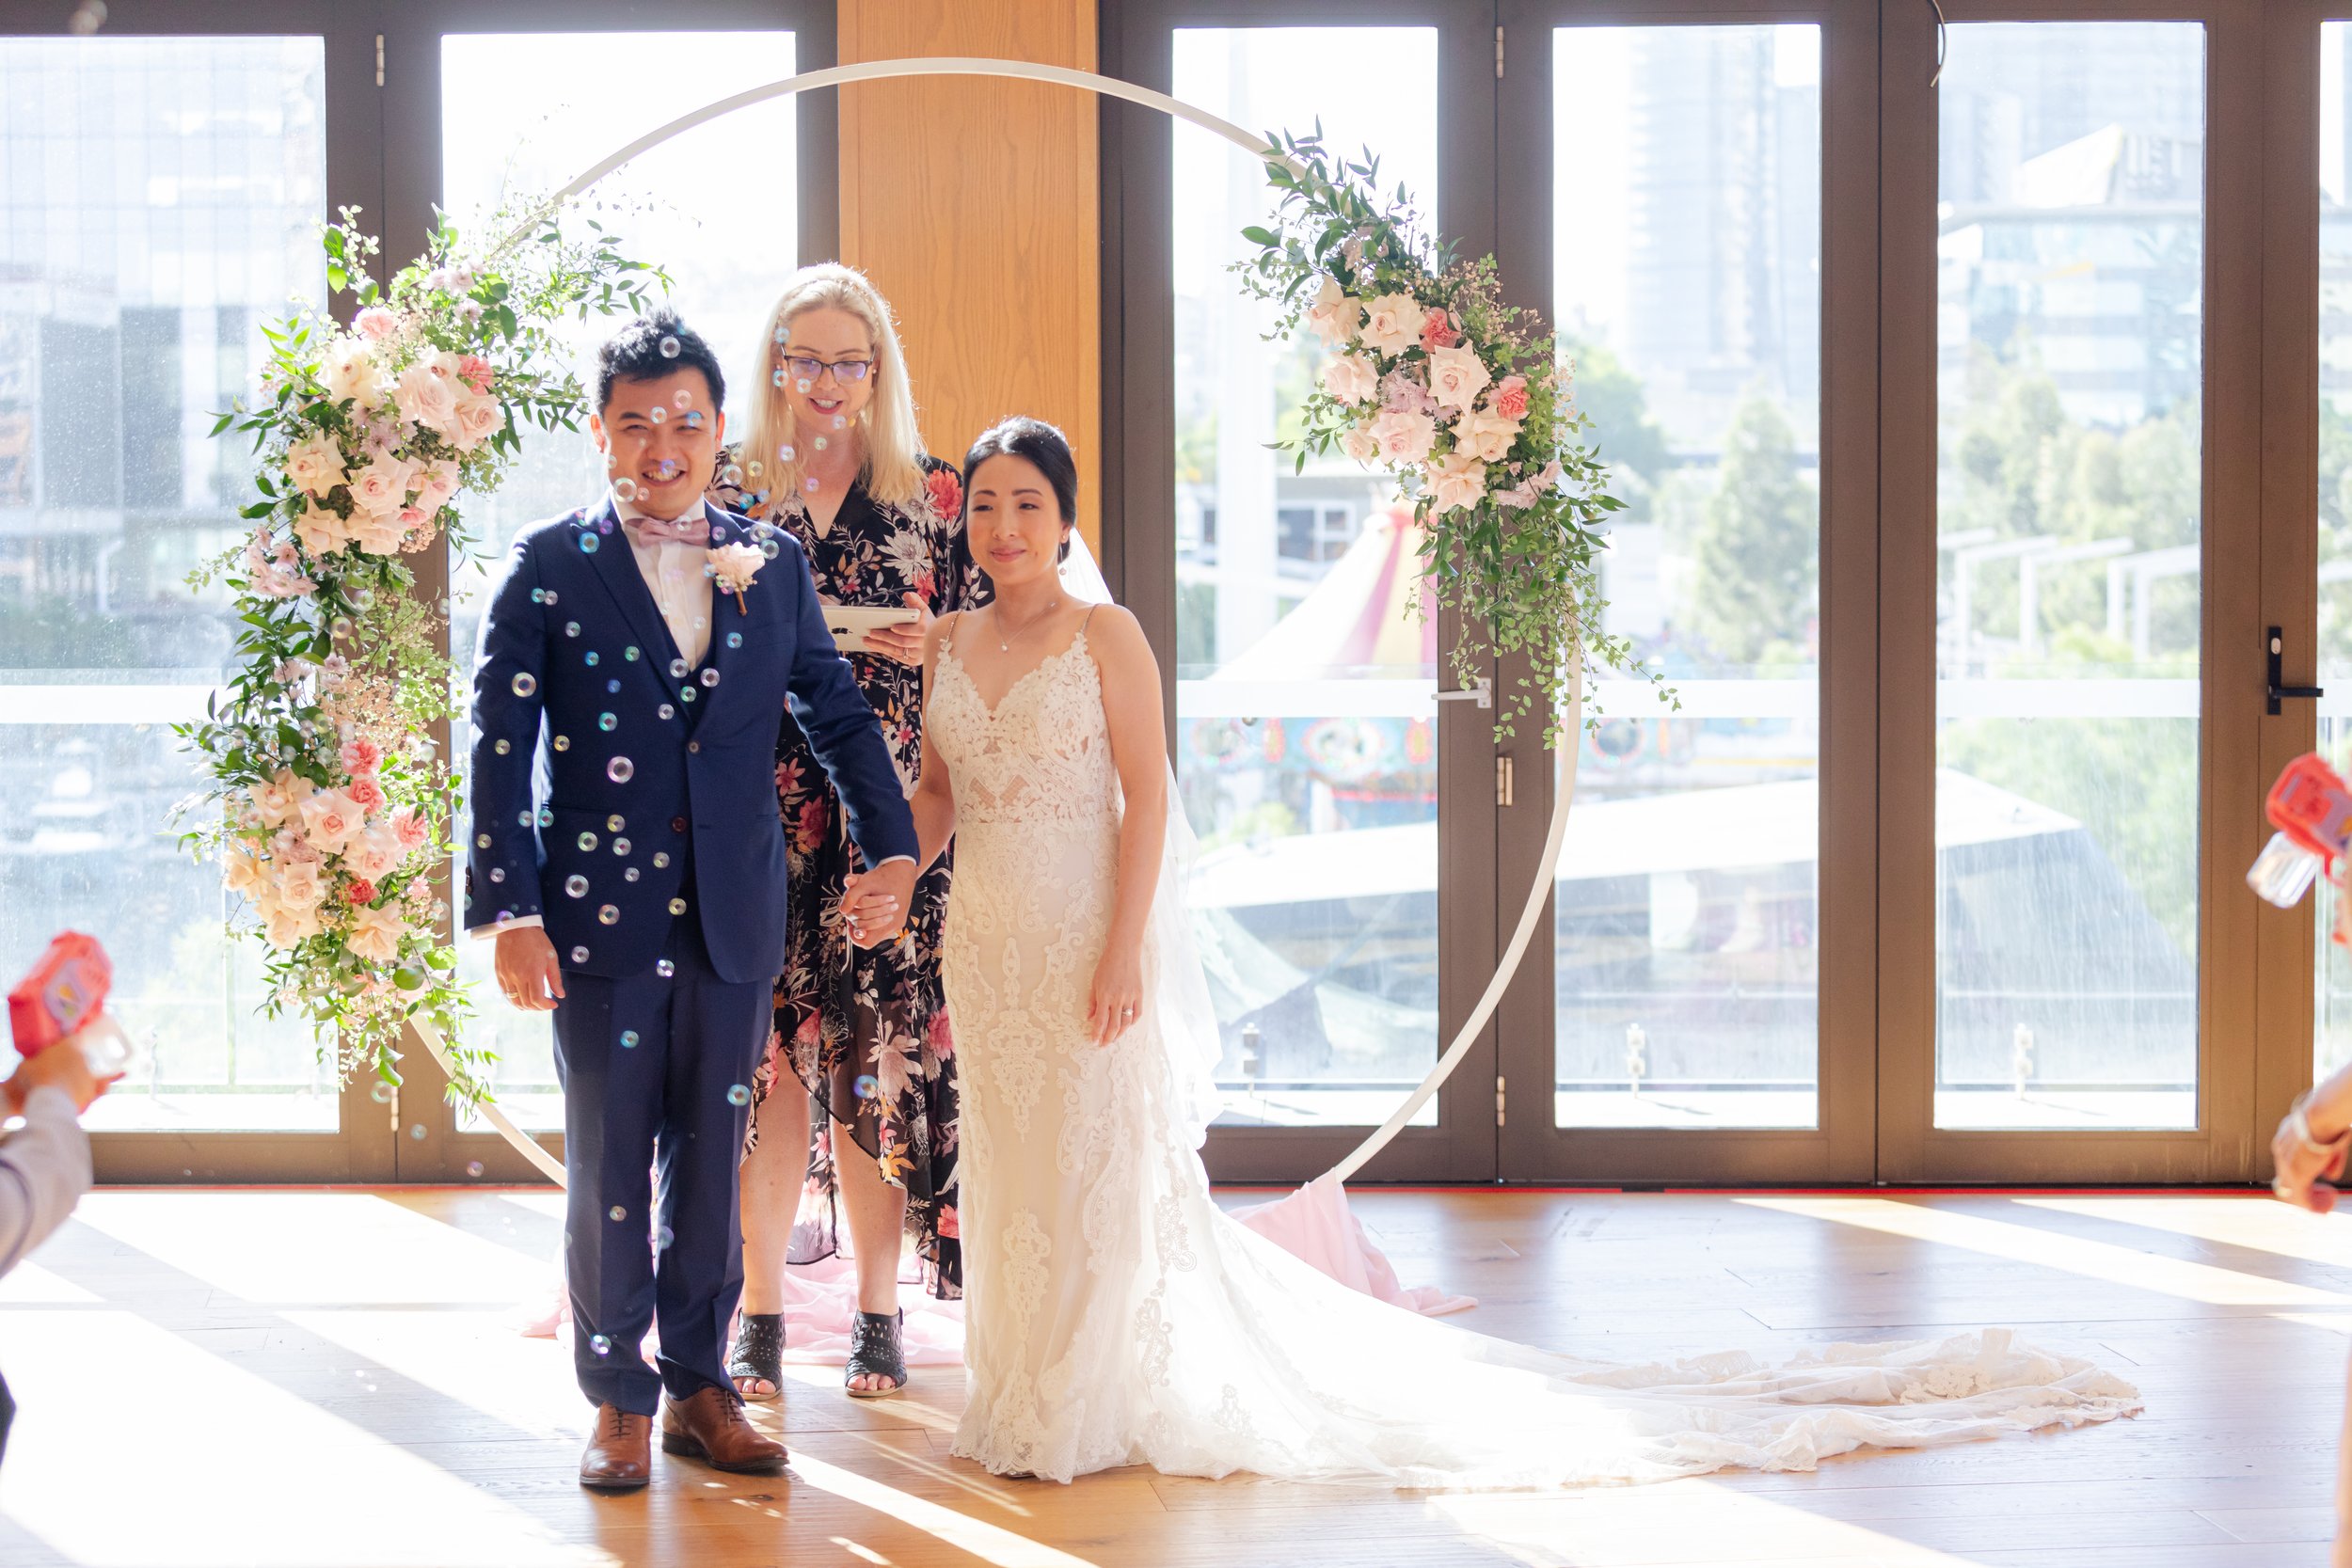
x: 681, y: 590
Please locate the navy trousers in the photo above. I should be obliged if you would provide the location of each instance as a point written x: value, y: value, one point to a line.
x: 656, y: 1072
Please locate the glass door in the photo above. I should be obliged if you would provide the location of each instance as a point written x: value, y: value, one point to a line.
x: 164, y: 194
x: 1342, y: 896
x: 1705, y: 255
x: 2072, y: 373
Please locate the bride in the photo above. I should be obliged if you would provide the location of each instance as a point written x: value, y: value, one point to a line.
x: 1114, y: 1315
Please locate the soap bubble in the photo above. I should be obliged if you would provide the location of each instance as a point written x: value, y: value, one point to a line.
x: 625, y: 487
x: 678, y: 906
x: 536, y: 596
x: 497, y: 874
x: 775, y: 378
x: 482, y: 841
x: 601, y: 1345
x: 587, y: 840
x: 865, y: 1086
x: 658, y: 414
x: 587, y: 544
x: 551, y: 596
x: 503, y: 747
x: 664, y: 967
x: 580, y: 955
x: 630, y: 875
x: 628, y: 1039
x: 608, y: 915
x: 523, y: 819
x: 821, y: 443
x: 718, y: 535
x: 416, y: 1132
x: 473, y: 1167
x: 803, y: 383
x: 754, y: 468
x: 662, y: 861
x: 381, y: 1093
x: 620, y: 846
x: 770, y: 549
x: 592, y: 658
x: 686, y: 694
x: 605, y: 721
x: 524, y: 683
x: 735, y: 639
x: 620, y: 770
x: 571, y: 629
x: 710, y: 677
x: 809, y: 485
x: 683, y: 400
x: 783, y: 453
x: 678, y: 668
x: 739, y: 1095
x: 341, y: 626
x: 667, y: 469
x: 561, y: 743
x: 665, y: 711
x: 629, y: 653
x: 662, y: 1238
x: 575, y: 885
x: 612, y: 688
x: 547, y: 816
x: 614, y: 823
x: 840, y: 421
x: 617, y: 1213
x: 669, y: 350
x: 731, y: 475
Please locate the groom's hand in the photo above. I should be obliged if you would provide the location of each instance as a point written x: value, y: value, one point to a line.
x: 874, y: 903
x: 527, y: 969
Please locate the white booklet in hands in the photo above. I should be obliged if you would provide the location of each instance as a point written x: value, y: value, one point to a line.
x: 850, y: 624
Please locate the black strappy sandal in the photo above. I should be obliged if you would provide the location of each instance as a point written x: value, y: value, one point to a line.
x: 758, y: 1354
x: 875, y: 1352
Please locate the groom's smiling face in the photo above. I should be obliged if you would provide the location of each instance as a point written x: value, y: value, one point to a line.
x: 661, y: 433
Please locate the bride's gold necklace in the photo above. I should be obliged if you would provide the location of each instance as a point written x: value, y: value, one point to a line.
x: 1004, y: 643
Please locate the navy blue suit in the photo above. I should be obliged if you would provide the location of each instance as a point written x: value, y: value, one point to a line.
x: 629, y: 801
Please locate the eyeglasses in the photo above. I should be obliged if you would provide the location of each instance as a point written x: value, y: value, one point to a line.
x: 806, y: 369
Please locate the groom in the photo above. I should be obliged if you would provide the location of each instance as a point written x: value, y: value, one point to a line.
x: 625, y: 855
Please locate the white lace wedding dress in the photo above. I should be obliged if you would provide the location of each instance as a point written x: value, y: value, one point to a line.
x: 1113, y: 1315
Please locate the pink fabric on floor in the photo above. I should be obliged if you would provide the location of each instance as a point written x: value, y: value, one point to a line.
x: 1316, y: 1224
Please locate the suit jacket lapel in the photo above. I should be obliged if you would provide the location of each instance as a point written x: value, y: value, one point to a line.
x: 728, y: 615
x: 617, y: 566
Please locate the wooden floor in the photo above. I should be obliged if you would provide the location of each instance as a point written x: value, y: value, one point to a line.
x: 330, y: 1380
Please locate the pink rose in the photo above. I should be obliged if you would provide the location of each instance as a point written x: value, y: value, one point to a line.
x: 1350, y: 378
x: 427, y: 396
x: 366, y: 793
x: 409, y: 829
x: 1403, y: 438
x: 382, y: 486
x: 1334, y: 316
x: 1486, y: 434
x: 299, y: 885
x: 374, y: 853
x: 360, y: 893
x: 329, y: 817
x: 360, y: 755
x: 1510, y: 398
x: 1436, y: 331
x: 380, y: 533
x: 1456, y: 480
x: 375, y: 935
x: 1360, y: 445
x: 375, y: 323
x: 1456, y: 376
x: 478, y: 419
x: 315, y: 465
x: 435, y: 483
x: 1402, y: 393
x: 275, y: 799
x: 322, y: 533
x: 1392, y: 323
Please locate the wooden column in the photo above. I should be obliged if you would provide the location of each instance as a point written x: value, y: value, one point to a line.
x: 972, y: 203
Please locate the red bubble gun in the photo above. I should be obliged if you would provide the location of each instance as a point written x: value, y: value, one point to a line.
x: 2311, y: 807
x: 66, y: 994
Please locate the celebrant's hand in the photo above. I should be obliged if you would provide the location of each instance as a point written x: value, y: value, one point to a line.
x: 527, y: 969
x: 874, y: 903
x: 59, y: 1066
x: 904, y: 642
x: 2306, y: 1162
x: 1118, y: 994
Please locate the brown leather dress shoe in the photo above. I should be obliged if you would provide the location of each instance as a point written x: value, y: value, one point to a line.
x: 710, y: 1426
x: 620, y: 1452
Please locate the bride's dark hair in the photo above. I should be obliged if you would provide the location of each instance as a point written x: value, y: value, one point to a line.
x: 1037, y: 443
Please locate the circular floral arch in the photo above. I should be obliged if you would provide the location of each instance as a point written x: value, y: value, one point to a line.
x: 336, y: 807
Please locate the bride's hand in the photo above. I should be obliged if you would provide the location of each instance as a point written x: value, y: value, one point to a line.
x: 904, y: 642
x: 1118, y: 994
x: 874, y: 903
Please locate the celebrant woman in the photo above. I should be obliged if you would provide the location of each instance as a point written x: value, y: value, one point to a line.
x: 832, y: 456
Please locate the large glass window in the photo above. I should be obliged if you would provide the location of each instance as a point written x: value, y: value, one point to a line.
x: 1687, y: 223
x: 2071, y: 261
x: 2333, y: 969
x: 1306, y: 710
x: 717, y: 208
x: 159, y: 198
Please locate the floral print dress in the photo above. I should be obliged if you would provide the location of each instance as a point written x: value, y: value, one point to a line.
x: 866, y: 1031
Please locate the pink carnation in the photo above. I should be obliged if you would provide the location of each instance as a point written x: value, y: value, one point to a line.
x: 360, y: 755
x: 375, y: 322
x: 1510, y: 397
x: 366, y: 793
x: 1436, y: 331
x: 474, y: 372
x: 360, y: 893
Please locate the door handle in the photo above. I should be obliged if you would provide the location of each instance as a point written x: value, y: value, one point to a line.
x: 1482, y: 694
x: 2273, y: 647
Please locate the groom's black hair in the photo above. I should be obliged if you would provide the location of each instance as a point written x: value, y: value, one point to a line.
x: 1036, y: 442
x: 635, y: 354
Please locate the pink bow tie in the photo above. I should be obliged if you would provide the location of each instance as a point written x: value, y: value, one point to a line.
x: 688, y: 530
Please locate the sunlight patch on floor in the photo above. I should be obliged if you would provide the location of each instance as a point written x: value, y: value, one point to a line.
x: 990, y: 1544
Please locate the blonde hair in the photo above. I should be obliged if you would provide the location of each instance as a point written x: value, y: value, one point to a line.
x: 890, y: 471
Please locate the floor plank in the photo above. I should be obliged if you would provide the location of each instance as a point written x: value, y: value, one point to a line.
x: 332, y: 1381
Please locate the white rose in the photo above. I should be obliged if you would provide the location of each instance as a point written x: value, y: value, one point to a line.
x: 275, y: 799
x: 1392, y: 323
x: 1360, y: 443
x: 1458, y: 480
x: 379, y: 533
x: 240, y: 871
x: 1334, y: 316
x: 322, y: 532
x: 479, y: 417
x: 351, y: 372
x: 1403, y: 438
x: 1351, y: 379
x: 315, y: 465
x: 428, y: 397
x: 383, y: 485
x: 1486, y: 434
x: 375, y: 935
x: 374, y: 853
x: 1456, y: 376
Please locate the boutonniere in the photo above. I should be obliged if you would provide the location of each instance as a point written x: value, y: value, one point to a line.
x: 734, y: 566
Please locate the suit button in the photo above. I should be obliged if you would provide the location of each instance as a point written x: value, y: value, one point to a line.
x: 677, y: 824
x: 694, y: 745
